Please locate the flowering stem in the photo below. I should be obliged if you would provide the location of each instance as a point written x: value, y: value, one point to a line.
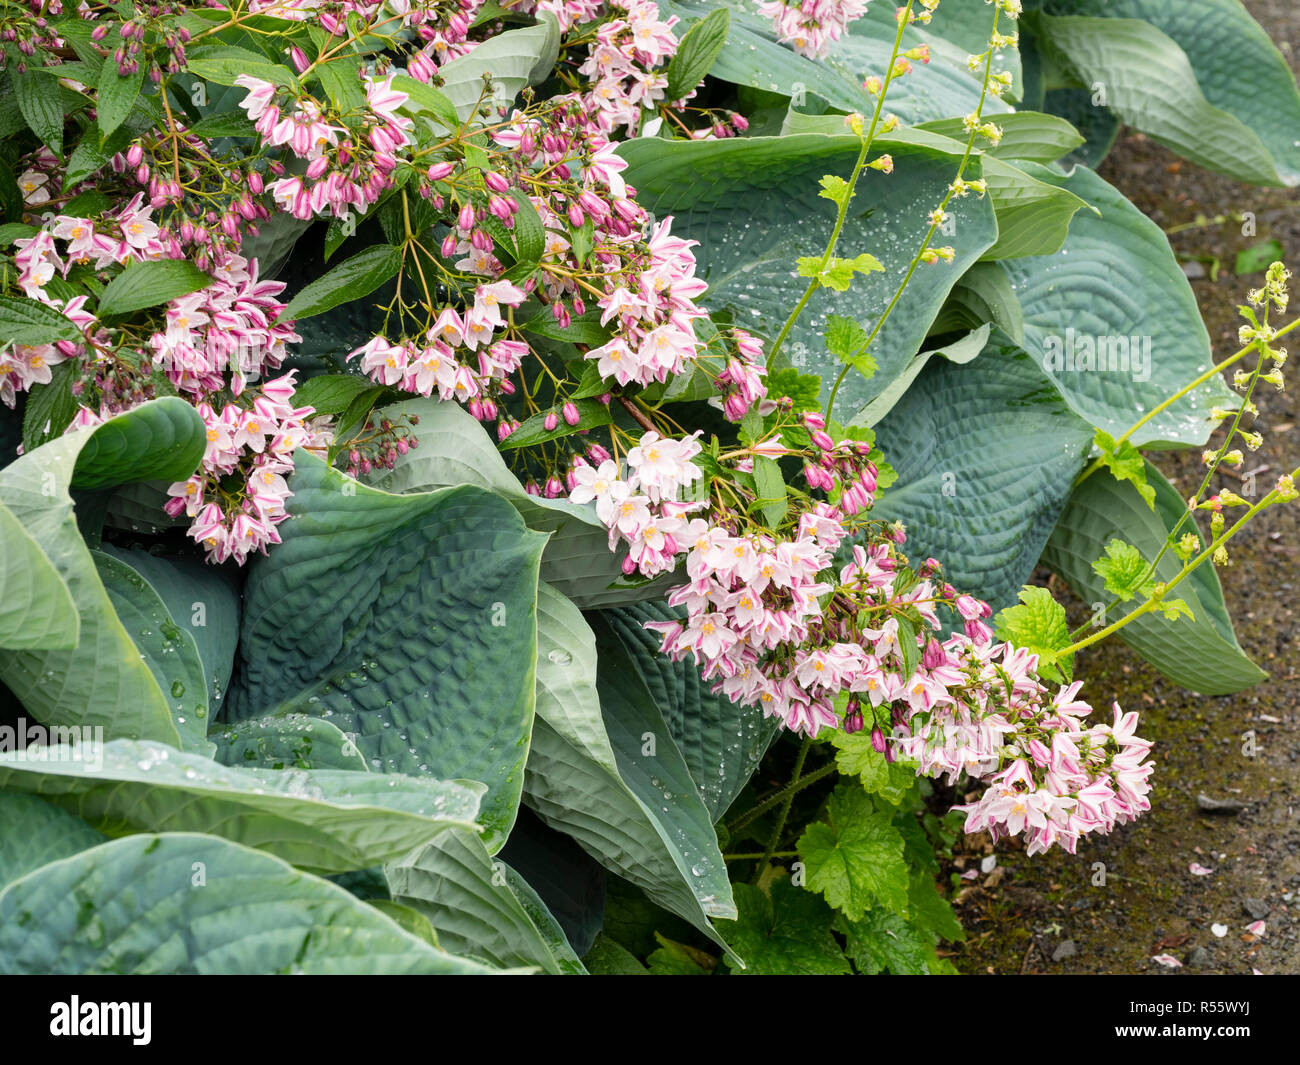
x: 939, y: 215
x: 790, y: 789
x: 1154, y: 602
x: 904, y: 19
x: 784, y: 815
x: 1161, y: 408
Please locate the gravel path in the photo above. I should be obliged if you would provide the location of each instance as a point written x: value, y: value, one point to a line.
x: 1053, y: 913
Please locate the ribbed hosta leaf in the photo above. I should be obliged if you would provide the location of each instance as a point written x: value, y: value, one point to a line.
x: 456, y: 449
x: 103, y: 681
x: 1201, y: 652
x: 37, y: 832
x: 985, y: 454
x: 1200, y: 76
x: 721, y: 741
x: 753, y: 204
x: 36, y: 608
x: 605, y: 770
x: 167, y: 649
x: 203, y: 602
x: 938, y: 89
x: 1117, y: 287
x: 183, y: 903
x: 328, y: 821
x: 409, y: 621
x: 293, y: 741
x: 472, y: 905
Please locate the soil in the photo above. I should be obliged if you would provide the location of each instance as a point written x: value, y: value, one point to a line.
x: 1058, y: 913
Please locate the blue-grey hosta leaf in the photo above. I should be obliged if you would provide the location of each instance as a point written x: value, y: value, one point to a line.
x: 1033, y: 216
x: 183, y: 903
x: 104, y: 681
x: 37, y: 832
x: 1026, y: 135
x: 959, y: 351
x: 290, y: 741
x: 1200, y: 652
x: 985, y: 454
x: 167, y: 650
x: 409, y: 621
x: 36, y: 608
x: 456, y: 449
x: 203, y: 602
x: 469, y: 900
x: 328, y: 821
x: 1241, y: 95
x: 1117, y: 288
x: 752, y: 56
x: 604, y: 769
x: 722, y: 741
x: 514, y: 59
x: 753, y: 204
x: 569, y: 881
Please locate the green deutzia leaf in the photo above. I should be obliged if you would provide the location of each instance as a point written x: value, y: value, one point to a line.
x: 696, y: 53
x: 1038, y: 625
x: 855, y: 858
x: 1125, y: 462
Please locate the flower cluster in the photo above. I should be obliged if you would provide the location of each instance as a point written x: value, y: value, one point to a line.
x: 771, y: 621
x: 625, y: 69
x: 344, y: 170
x: 810, y: 27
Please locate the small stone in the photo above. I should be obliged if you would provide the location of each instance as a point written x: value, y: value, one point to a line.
x: 1193, y: 271
x: 1065, y: 949
x: 1256, y: 908
x: 1209, y: 805
x: 1198, y: 958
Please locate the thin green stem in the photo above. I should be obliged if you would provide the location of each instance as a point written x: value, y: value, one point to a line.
x: 784, y: 815
x: 929, y: 236
x: 868, y: 139
x: 793, y: 788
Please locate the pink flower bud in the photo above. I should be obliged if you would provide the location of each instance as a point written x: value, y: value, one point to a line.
x: 495, y: 181
x: 570, y: 411
x: 550, y: 422
x: 439, y: 171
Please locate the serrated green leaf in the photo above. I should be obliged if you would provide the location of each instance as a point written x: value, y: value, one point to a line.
x: 696, y: 53
x: 350, y: 280
x: 855, y: 858
x: 1038, y: 625
x: 786, y: 933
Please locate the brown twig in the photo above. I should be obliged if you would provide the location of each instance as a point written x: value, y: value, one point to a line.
x: 638, y: 415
